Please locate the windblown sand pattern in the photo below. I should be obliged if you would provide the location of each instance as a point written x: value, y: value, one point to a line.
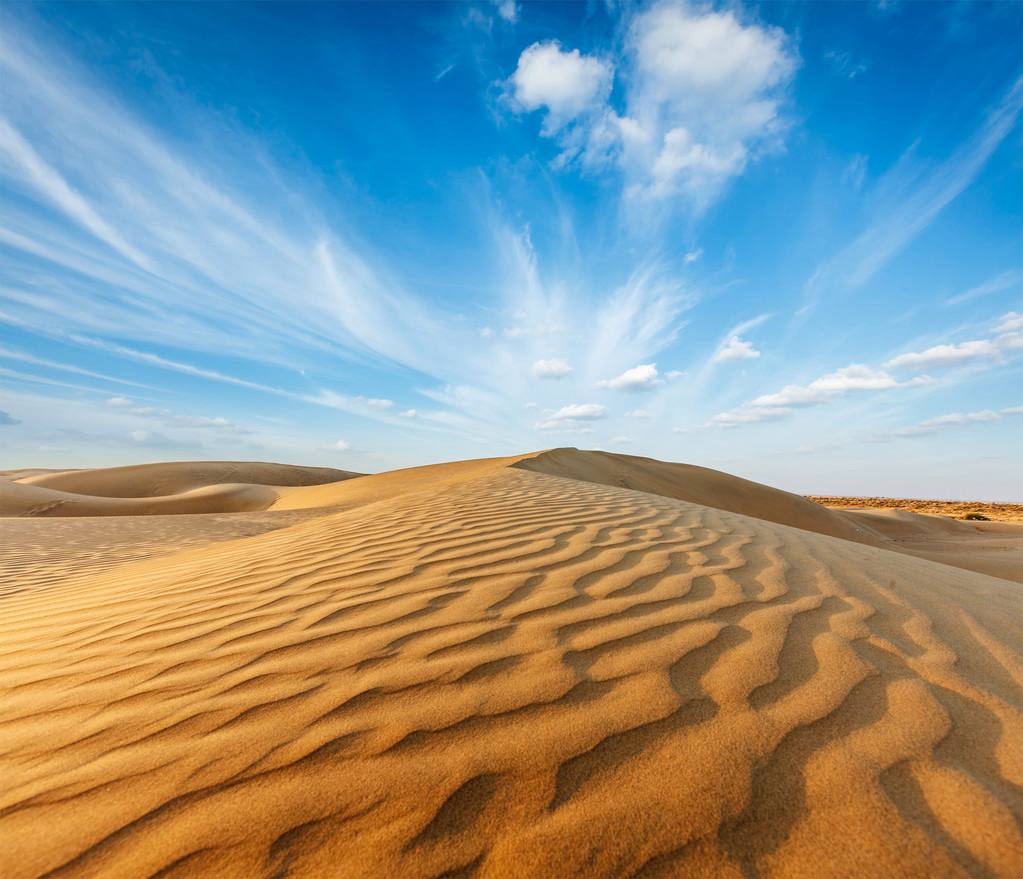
x: 515, y: 674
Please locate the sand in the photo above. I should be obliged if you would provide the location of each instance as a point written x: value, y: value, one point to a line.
x: 155, y: 489
x: 563, y: 664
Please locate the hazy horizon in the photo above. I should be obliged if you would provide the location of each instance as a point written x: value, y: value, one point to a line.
x: 780, y: 240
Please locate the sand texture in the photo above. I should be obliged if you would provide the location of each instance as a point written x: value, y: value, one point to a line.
x: 568, y: 664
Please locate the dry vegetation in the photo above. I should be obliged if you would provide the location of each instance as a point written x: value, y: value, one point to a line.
x: 952, y: 509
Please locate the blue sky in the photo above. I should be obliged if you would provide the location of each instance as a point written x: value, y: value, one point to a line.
x: 780, y: 240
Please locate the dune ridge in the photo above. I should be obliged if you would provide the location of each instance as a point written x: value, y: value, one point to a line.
x: 505, y: 672
x: 172, y: 488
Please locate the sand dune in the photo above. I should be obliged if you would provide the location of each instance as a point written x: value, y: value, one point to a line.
x: 156, y: 489
x: 485, y: 670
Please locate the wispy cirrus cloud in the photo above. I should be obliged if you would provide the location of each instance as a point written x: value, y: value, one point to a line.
x: 906, y: 200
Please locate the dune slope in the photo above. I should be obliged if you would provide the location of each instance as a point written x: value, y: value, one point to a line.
x: 516, y: 674
x: 178, y: 487
x: 175, y: 477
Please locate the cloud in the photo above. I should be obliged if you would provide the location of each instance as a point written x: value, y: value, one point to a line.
x: 637, y: 413
x: 958, y: 419
x: 170, y: 420
x: 507, y: 9
x: 1009, y: 322
x: 408, y: 413
x: 552, y: 369
x: 375, y: 403
x: 566, y: 84
x: 639, y: 378
x: 705, y: 97
x: 735, y: 349
x: 620, y: 440
x: 702, y: 98
x: 749, y: 415
x: 1004, y: 281
x: 692, y: 256
x: 342, y: 445
x: 1008, y: 338
x: 940, y: 356
x: 6, y: 419
x: 908, y: 197
x: 855, y: 377
x: 673, y: 374
x: 579, y: 412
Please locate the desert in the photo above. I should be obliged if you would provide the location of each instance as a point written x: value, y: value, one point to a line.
x: 567, y: 663
x: 504, y: 439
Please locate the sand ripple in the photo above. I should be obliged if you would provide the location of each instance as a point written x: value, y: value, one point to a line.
x: 516, y: 675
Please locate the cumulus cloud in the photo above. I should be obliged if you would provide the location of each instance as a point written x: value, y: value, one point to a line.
x: 703, y: 98
x: 551, y: 369
x: 735, y: 349
x: 706, y: 93
x: 1008, y: 338
x: 639, y: 378
x: 939, y: 356
x: 342, y: 445
x: 855, y: 377
x: 7, y: 419
x: 408, y: 413
x: 564, y: 83
x: 579, y: 412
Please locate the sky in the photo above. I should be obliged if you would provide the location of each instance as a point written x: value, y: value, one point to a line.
x: 781, y: 240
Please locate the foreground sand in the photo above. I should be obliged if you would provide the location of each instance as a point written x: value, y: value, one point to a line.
x: 568, y: 664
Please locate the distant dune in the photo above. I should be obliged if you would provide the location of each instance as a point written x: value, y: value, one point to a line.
x: 156, y: 489
x: 565, y: 664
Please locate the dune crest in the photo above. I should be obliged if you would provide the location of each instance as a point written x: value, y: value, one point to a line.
x: 499, y: 672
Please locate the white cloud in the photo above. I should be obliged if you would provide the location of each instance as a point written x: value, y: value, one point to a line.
x: 342, y: 445
x: 1008, y: 338
x: 749, y: 415
x: 507, y: 9
x: 946, y: 355
x: 140, y: 436
x: 735, y: 349
x: 855, y: 377
x: 707, y: 90
x: 620, y: 440
x: 639, y: 378
x: 408, y: 413
x: 378, y: 404
x: 958, y: 419
x: 551, y: 369
x: 637, y: 413
x: 692, y: 256
x: 673, y: 374
x: 566, y: 84
x: 703, y: 98
x: 1010, y: 322
x: 579, y: 412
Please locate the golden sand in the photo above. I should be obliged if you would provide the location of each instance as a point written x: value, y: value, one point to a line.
x: 559, y: 665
